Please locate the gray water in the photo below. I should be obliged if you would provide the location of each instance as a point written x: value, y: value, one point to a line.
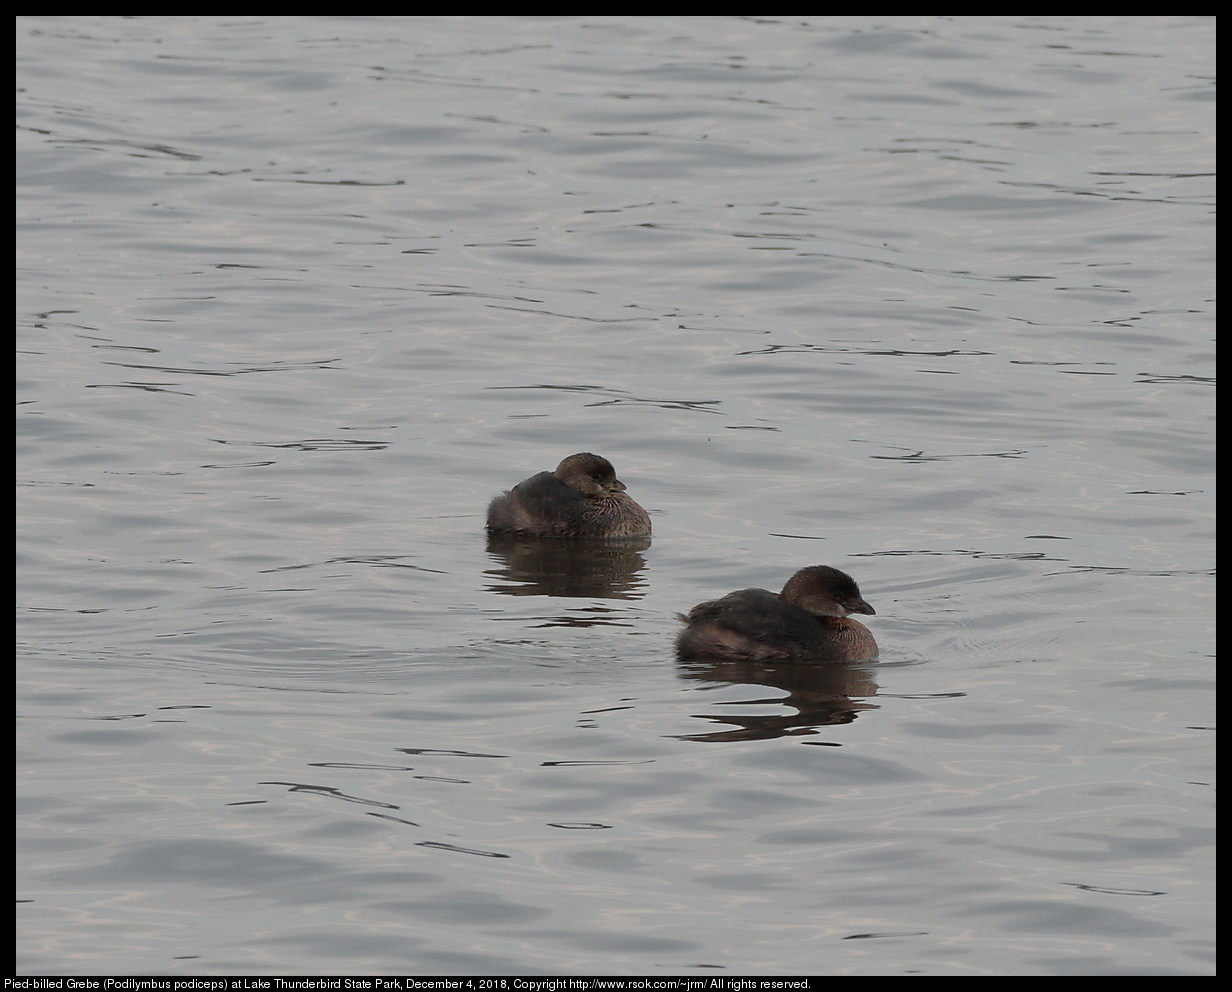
x: 931, y: 300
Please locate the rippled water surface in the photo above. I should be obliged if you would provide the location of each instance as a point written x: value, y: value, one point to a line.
x: 930, y: 300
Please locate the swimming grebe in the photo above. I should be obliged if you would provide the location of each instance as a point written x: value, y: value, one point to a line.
x: 582, y: 498
x: 806, y: 622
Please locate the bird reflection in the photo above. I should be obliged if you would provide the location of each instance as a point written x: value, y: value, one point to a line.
x: 593, y: 569
x: 821, y: 695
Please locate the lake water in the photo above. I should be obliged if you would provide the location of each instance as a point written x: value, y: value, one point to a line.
x: 931, y: 300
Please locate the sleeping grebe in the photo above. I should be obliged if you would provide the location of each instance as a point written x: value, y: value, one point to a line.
x: 582, y: 498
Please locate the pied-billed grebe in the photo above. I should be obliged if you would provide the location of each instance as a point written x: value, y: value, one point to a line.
x: 582, y: 498
x: 807, y: 622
